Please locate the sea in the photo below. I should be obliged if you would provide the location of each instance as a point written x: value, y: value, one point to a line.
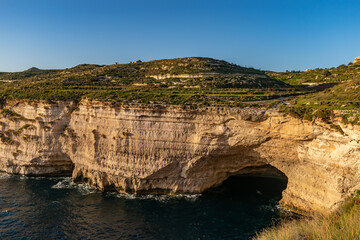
x: 57, y: 208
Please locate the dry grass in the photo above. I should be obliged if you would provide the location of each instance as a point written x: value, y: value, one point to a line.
x: 341, y: 225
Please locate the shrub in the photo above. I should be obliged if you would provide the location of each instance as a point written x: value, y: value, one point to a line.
x: 323, y: 114
x: 345, y: 119
x: 342, y: 224
x: 327, y: 73
x: 337, y: 128
x: 308, y: 117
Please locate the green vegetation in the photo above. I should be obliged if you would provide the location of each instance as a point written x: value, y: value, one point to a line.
x: 5, y: 137
x: 326, y: 115
x: 184, y: 81
x: 307, y: 113
x: 345, y: 96
x: 8, y: 113
x: 26, y: 126
x: 337, y: 128
x: 13, y: 115
x: 342, y: 91
x: 342, y: 73
x: 25, y: 74
x: 194, y: 82
x: 342, y: 224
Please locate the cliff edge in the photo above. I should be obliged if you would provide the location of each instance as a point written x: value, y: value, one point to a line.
x: 159, y: 149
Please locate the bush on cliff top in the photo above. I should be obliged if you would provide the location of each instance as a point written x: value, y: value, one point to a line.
x: 343, y: 224
x: 307, y: 113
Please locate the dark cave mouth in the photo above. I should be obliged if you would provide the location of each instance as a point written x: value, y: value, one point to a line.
x: 265, y: 182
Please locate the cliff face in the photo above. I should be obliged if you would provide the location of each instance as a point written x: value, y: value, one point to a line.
x: 29, y: 138
x: 172, y: 150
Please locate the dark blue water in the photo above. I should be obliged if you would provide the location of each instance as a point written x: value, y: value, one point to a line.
x: 42, y: 208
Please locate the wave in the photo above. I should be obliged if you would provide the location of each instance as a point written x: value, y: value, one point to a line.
x: 84, y: 189
x: 67, y: 183
x: 4, y: 175
x: 161, y: 198
x: 286, y: 213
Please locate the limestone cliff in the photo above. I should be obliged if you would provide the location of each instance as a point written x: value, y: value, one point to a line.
x: 161, y: 149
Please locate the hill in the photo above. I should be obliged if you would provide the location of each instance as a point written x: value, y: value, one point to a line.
x: 192, y: 80
x: 338, y: 74
x: 344, y: 79
x: 25, y: 74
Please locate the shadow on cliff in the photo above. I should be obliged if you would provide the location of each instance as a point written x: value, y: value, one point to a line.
x: 2, y: 103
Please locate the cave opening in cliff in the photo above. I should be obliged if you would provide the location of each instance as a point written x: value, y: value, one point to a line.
x: 265, y: 182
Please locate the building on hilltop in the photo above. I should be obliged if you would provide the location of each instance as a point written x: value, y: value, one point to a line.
x: 357, y: 60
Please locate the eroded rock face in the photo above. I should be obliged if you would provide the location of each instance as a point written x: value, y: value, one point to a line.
x: 29, y: 138
x: 172, y: 150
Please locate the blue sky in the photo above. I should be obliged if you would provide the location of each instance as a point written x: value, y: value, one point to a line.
x: 270, y: 35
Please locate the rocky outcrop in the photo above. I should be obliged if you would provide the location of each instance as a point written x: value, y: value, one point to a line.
x: 157, y: 149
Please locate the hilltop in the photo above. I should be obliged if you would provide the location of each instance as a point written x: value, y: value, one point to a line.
x: 196, y: 81
x: 206, y: 70
x: 31, y: 72
x: 344, y: 79
x: 338, y: 74
x: 191, y: 80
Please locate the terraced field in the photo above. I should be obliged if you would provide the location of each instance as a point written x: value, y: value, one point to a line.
x: 194, y: 81
x: 184, y: 81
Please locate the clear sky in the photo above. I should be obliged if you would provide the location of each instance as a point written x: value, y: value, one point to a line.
x: 266, y: 34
